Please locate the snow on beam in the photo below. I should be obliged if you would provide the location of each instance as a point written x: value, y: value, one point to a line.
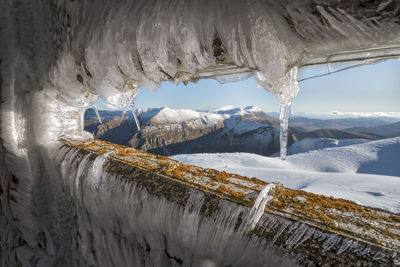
x: 297, y: 226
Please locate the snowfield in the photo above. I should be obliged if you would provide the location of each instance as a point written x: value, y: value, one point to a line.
x: 367, y: 173
x: 309, y: 144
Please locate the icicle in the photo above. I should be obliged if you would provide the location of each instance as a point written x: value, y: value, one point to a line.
x: 132, y: 108
x: 285, y: 91
x: 97, y: 167
x: 94, y: 107
x: 284, y: 118
x: 123, y: 114
x: 259, y: 205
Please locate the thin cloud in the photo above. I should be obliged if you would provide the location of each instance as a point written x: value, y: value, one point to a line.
x: 366, y: 114
x: 110, y: 106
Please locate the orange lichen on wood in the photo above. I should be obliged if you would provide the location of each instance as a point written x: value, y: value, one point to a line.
x: 162, y: 157
x: 218, y: 176
x: 212, y: 183
x: 101, y: 150
x: 223, y: 189
x: 124, y: 152
x: 336, y: 215
x: 330, y: 210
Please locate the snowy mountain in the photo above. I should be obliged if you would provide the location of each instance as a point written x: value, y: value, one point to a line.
x: 237, y: 111
x: 368, y: 173
x: 228, y: 129
x: 169, y: 131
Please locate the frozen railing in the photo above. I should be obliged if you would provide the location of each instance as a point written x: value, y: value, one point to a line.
x: 333, y: 63
x: 346, y: 60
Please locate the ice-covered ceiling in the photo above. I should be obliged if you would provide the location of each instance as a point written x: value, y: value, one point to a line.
x: 103, y: 47
x: 58, y: 56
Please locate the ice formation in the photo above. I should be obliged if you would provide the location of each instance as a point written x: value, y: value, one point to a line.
x: 56, y: 58
x: 94, y: 107
x: 259, y: 206
x: 132, y: 108
x: 285, y: 90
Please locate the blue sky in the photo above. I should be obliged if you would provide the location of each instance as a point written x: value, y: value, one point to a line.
x: 368, y: 88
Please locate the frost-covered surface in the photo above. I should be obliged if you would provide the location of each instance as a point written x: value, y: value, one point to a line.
x: 156, y: 230
x: 309, y: 144
x: 58, y: 56
x: 208, y: 231
x: 367, y: 173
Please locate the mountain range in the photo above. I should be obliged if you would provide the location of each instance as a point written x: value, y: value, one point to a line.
x: 167, y: 131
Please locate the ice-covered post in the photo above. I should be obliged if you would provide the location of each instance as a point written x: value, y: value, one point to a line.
x: 285, y: 91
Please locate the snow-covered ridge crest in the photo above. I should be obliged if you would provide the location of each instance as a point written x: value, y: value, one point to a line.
x: 237, y: 110
x: 168, y: 115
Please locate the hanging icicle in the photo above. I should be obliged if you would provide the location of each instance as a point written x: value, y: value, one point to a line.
x: 94, y: 107
x: 132, y: 108
x: 285, y: 91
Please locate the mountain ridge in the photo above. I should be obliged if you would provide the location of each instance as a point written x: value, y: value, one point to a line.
x: 169, y: 131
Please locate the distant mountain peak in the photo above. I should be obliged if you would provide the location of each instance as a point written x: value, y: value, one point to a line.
x: 253, y: 108
x: 236, y: 110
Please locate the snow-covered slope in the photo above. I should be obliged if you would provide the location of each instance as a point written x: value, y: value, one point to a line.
x: 309, y: 144
x: 168, y: 115
x: 367, y: 173
x: 228, y: 129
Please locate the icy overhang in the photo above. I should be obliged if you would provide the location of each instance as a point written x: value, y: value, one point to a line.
x: 340, y: 61
x: 229, y: 72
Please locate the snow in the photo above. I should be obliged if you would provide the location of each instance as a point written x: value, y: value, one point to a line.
x: 168, y: 115
x: 367, y: 173
x: 231, y: 110
x: 224, y: 109
x: 309, y: 144
x: 252, y: 108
